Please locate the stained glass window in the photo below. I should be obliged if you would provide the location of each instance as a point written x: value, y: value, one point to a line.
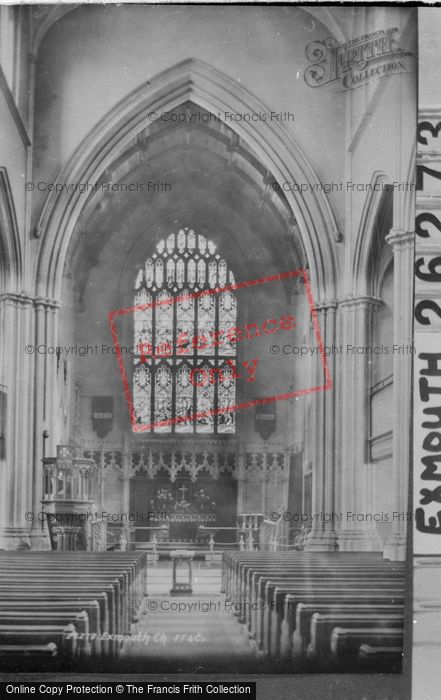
x: 183, y: 382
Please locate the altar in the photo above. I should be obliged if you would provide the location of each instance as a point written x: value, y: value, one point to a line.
x: 187, y: 529
x: 179, y: 512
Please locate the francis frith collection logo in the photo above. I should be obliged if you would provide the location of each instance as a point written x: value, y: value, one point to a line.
x: 356, y: 62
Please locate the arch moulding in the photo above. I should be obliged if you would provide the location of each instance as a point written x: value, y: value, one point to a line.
x: 190, y: 80
x: 365, y: 233
x: 10, y: 249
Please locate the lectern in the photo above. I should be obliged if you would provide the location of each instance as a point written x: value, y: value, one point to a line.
x: 182, y: 556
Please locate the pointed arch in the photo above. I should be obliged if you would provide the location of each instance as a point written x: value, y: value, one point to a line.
x: 10, y: 248
x: 365, y: 240
x: 215, y: 92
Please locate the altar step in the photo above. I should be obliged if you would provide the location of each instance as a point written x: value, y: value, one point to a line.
x: 202, y: 552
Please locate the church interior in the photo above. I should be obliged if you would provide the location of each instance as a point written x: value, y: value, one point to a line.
x: 206, y: 338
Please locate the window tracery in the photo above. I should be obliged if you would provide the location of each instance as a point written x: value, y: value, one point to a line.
x: 167, y: 393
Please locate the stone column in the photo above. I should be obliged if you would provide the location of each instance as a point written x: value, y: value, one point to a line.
x: 51, y: 398
x: 16, y: 358
x: 45, y: 368
x: 402, y: 243
x: 356, y: 532
x: 125, y: 479
x: 266, y: 478
x: 322, y: 436
x: 240, y: 476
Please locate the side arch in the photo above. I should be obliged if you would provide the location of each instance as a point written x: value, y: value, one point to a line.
x: 213, y: 91
x: 366, y: 234
x: 10, y: 249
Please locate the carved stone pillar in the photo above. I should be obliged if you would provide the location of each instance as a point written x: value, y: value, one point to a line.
x: 16, y: 365
x: 240, y: 476
x: 356, y: 532
x: 402, y: 243
x: 51, y: 399
x: 322, y: 437
x: 125, y: 502
x: 45, y: 368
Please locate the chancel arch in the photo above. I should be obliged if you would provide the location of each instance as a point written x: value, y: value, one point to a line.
x: 213, y: 92
x: 223, y: 179
x: 213, y: 221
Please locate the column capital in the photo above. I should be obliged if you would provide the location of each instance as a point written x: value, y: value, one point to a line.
x: 326, y: 304
x: 398, y: 237
x: 28, y: 299
x: 46, y: 303
x: 17, y: 298
x: 360, y: 302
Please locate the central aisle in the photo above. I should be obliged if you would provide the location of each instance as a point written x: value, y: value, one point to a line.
x: 196, y: 633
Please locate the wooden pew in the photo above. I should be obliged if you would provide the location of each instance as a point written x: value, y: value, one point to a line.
x: 322, y: 626
x: 44, y: 607
x: 267, y: 587
x: 253, y: 608
x: 284, y: 606
x: 279, y: 608
x: 244, y: 563
x: 96, y: 566
x: 259, y: 581
x: 63, y: 581
x: 352, y: 592
x: 61, y: 635
x: 79, y: 620
x: 70, y: 592
x: 305, y: 611
x: 379, y: 659
x: 232, y: 561
x: 346, y: 643
x: 30, y: 657
x: 258, y: 563
x: 130, y: 565
x: 96, y: 593
x: 125, y: 605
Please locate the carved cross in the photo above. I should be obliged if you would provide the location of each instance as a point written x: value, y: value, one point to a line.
x: 183, y: 489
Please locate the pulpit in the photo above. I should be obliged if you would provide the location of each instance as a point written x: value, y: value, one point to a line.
x: 73, y: 519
